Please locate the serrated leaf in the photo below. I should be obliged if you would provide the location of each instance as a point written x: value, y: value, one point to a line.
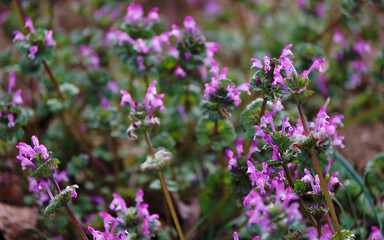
x: 46, y: 169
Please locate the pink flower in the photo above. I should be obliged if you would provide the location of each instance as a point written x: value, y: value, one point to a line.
x: 179, y: 72
x: 18, y: 36
x: 29, y: 24
x: 32, y: 51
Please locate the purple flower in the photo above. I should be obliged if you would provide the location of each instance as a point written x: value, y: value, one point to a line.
x: 49, y: 39
x: 277, y: 106
x: 32, y: 51
x: 179, y: 72
x: 134, y: 13
x: 339, y: 38
x: 362, y: 46
x: 190, y: 25
x: 256, y: 63
x: 315, y: 65
x: 18, y: 36
x: 235, y: 236
x: 12, y: 80
x: 308, y: 178
x: 118, y: 203
x: 376, y: 234
x: 139, y: 197
x: 11, y: 123
x: 152, y: 16
x: 140, y: 63
x: 29, y: 24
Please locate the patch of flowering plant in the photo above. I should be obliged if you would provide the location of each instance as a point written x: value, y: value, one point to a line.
x: 218, y: 157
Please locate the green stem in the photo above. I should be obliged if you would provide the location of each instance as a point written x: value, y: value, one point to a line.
x: 21, y: 15
x: 166, y: 192
x: 81, y: 138
x: 99, y: 166
x: 215, y: 214
x: 321, y: 177
x: 70, y: 212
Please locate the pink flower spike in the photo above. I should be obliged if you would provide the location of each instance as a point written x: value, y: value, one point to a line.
x: 134, y: 13
x: 17, y: 99
x: 244, y: 87
x: 268, y: 114
x: 18, y: 36
x: 11, y: 123
x: 287, y: 51
x: 152, y: 16
x: 269, y: 140
x: 334, y: 180
x: 239, y: 147
x: 235, y: 236
x: 25, y: 162
x: 376, y: 234
x: 179, y: 72
x: 267, y: 64
x: 29, y: 24
x: 139, y: 197
x: 256, y: 63
x: 339, y: 38
x: 315, y: 65
x: 12, y: 81
x: 49, y: 39
x: 285, y: 125
x: 253, y: 149
x: 127, y: 98
x: 362, y: 46
x: 190, y: 25
x: 259, y: 132
x: 277, y: 106
x: 32, y: 51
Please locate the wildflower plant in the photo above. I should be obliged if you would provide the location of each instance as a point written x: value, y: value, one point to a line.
x: 216, y: 155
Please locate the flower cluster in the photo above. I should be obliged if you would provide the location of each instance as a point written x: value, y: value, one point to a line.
x: 9, y: 104
x: 44, y: 173
x: 221, y: 94
x: 353, y: 57
x: 37, y: 43
x: 135, y: 222
x: 280, y: 73
x: 142, y: 113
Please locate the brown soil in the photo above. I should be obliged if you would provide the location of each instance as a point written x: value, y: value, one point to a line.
x: 362, y: 142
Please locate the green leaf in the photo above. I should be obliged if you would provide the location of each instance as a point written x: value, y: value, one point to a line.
x: 224, y: 137
x: 69, y: 89
x: 55, y: 105
x: 347, y: 235
x: 60, y: 200
x: 250, y: 116
x: 46, y: 169
x: 353, y: 174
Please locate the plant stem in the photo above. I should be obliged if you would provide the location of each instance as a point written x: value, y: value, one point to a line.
x: 166, y: 192
x: 81, y: 138
x: 21, y: 15
x: 321, y: 177
x: 301, y: 201
x: 318, y: 228
x: 263, y: 108
x: 215, y: 214
x: 70, y: 212
x: 99, y: 166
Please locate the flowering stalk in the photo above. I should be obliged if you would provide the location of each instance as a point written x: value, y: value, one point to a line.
x: 70, y: 212
x: 166, y: 192
x: 320, y: 174
x: 81, y: 137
